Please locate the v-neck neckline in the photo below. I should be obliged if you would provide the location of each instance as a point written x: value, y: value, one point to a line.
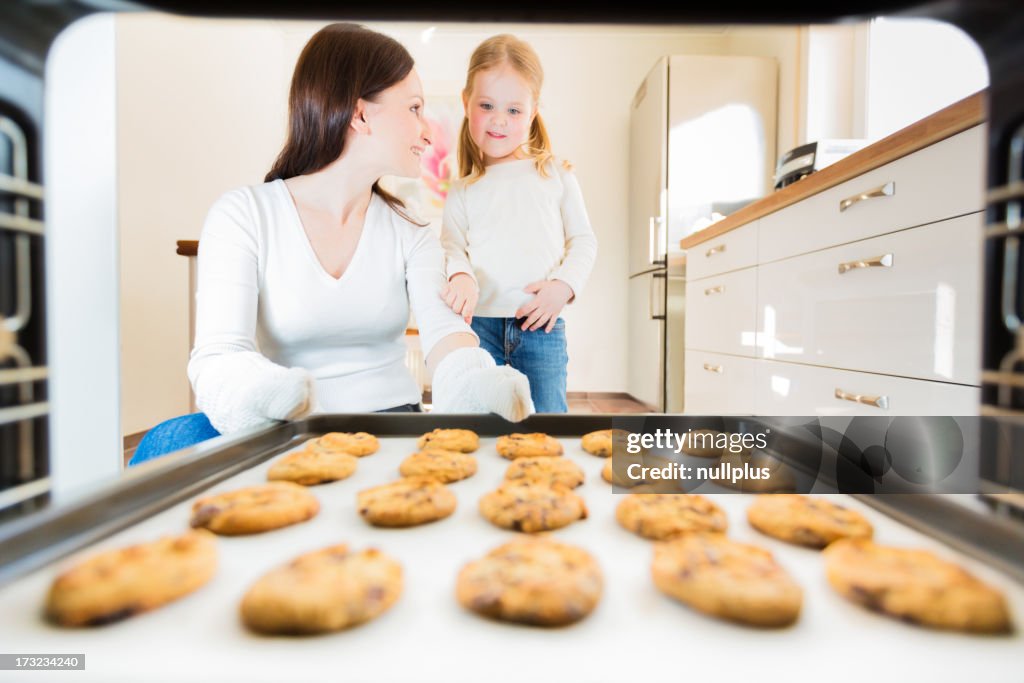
x: 310, y: 252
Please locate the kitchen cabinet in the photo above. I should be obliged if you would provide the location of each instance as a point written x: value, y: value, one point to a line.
x: 723, y: 313
x: 721, y: 384
x: 907, y: 303
x: 865, y: 292
x: 731, y: 251
x: 795, y: 389
x: 936, y: 182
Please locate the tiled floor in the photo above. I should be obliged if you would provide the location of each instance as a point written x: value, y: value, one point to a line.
x: 604, y: 402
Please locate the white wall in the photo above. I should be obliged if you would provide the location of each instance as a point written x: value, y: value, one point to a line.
x: 834, y: 59
x: 201, y: 109
x: 782, y: 43
x: 916, y: 67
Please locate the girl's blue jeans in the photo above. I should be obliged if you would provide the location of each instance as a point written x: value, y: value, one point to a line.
x: 539, y: 355
x: 188, y: 430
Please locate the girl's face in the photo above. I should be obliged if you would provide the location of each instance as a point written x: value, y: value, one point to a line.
x: 398, y: 130
x: 500, y: 110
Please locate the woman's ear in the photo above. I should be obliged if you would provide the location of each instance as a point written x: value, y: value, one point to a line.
x: 359, y: 122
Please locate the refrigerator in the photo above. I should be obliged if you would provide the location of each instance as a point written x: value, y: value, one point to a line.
x: 702, y: 143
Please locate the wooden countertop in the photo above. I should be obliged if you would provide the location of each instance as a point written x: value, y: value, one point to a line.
x: 944, y: 123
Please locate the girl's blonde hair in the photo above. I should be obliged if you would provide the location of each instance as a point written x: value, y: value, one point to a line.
x: 492, y: 53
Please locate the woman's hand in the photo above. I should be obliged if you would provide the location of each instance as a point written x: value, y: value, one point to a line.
x: 243, y: 390
x: 461, y: 295
x: 543, y: 309
x: 467, y: 380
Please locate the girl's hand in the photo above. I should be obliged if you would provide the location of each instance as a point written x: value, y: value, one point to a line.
x: 543, y: 309
x: 461, y: 295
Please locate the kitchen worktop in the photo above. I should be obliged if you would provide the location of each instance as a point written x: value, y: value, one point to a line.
x: 944, y: 123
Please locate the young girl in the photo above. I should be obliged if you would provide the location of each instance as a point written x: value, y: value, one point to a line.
x: 517, y: 239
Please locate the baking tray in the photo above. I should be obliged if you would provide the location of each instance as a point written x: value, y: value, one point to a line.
x: 635, y: 632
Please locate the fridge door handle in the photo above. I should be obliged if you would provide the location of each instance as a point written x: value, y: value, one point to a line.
x: 650, y: 296
x: 654, y: 255
x: 650, y: 240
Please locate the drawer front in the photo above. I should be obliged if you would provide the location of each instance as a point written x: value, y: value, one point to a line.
x: 919, y: 316
x: 937, y: 182
x: 721, y: 313
x: 717, y: 384
x: 733, y: 250
x: 792, y: 389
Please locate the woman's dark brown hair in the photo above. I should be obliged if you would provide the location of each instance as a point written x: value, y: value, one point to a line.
x: 340, y: 64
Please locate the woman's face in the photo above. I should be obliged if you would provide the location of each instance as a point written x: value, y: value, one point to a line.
x: 399, y: 131
x: 500, y: 110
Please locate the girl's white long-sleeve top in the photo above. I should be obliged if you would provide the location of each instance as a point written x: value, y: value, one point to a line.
x: 513, y: 227
x: 264, y: 303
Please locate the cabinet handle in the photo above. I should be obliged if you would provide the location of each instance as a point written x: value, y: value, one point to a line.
x: 714, y: 250
x: 887, y: 190
x: 714, y: 290
x: 713, y: 368
x: 876, y: 401
x: 883, y: 261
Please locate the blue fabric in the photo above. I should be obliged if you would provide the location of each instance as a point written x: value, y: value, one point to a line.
x: 539, y: 355
x: 173, y: 435
x: 188, y: 430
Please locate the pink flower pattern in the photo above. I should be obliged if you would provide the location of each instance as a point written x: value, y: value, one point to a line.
x: 438, y: 162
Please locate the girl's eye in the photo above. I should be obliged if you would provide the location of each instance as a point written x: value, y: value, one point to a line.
x: 485, y: 106
x: 415, y: 108
x: 513, y: 111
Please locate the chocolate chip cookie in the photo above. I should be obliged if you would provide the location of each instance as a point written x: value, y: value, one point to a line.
x: 462, y: 440
x: 117, y: 584
x: 310, y: 467
x: 532, y: 580
x: 545, y: 470
x: 726, y: 579
x: 514, y: 446
x: 255, y: 509
x: 358, y: 444
x: 324, y: 590
x: 812, y: 522
x: 915, y: 586
x: 661, y: 516
x: 409, y: 501
x: 526, y: 506
x: 445, y: 466
x: 600, y: 443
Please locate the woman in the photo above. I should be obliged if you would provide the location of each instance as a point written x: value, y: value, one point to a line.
x: 305, y: 281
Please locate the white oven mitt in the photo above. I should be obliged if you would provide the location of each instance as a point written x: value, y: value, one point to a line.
x: 468, y: 380
x: 244, y: 389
